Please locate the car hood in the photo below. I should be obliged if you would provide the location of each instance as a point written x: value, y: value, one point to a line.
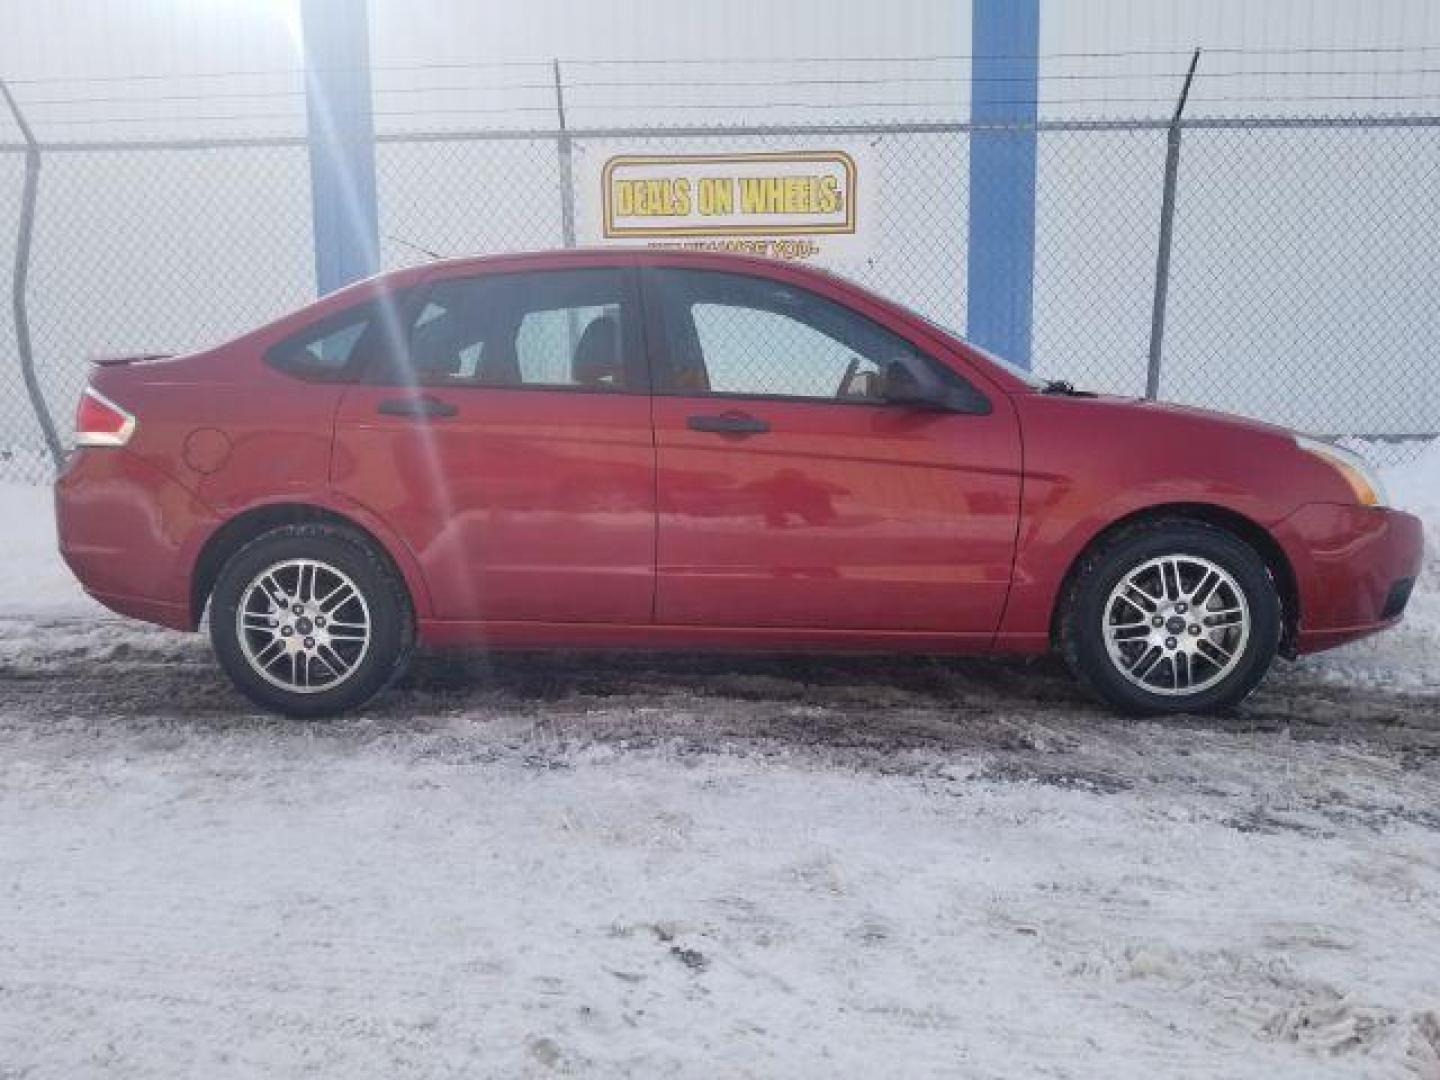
x: 1139, y: 407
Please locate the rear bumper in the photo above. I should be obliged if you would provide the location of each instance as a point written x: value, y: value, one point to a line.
x: 130, y: 534
x: 1353, y: 569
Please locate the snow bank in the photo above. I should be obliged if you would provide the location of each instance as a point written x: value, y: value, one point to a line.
x: 183, y: 899
x: 34, y: 580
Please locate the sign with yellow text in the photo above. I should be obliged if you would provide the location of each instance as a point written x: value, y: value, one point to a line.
x: 799, y: 204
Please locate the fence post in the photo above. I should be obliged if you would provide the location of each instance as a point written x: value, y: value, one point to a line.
x: 340, y: 130
x: 565, y: 153
x: 21, y: 279
x: 1004, y: 106
x: 1167, y: 232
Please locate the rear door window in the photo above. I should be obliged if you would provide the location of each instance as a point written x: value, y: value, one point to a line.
x: 553, y: 329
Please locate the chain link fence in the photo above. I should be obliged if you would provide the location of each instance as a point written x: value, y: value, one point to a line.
x: 1302, y: 285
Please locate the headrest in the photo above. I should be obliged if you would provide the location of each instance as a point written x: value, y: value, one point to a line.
x: 597, y: 354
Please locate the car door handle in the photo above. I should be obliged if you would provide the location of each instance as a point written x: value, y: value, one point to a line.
x: 730, y: 423
x: 423, y: 406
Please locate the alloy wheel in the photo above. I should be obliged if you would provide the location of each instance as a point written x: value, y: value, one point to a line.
x: 303, y: 625
x: 1176, y: 625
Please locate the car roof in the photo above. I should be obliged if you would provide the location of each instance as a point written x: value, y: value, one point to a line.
x: 620, y: 256
x: 555, y: 258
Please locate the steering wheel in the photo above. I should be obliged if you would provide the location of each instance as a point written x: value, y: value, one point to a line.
x: 843, y: 390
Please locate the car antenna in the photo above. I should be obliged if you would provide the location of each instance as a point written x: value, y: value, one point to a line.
x: 414, y: 247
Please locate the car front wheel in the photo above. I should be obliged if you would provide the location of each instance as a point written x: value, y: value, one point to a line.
x: 310, y: 620
x: 1171, y: 616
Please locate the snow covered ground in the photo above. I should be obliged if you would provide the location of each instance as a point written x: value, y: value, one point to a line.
x: 526, y: 866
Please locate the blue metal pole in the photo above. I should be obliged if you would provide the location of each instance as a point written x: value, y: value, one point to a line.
x: 341, y: 134
x: 1000, y: 262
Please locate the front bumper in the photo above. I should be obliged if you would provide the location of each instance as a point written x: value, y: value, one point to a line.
x: 130, y: 534
x: 1353, y: 568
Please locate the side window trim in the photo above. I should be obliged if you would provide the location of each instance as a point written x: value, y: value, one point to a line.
x: 389, y: 367
x: 660, y: 313
x: 658, y: 319
x: 375, y: 356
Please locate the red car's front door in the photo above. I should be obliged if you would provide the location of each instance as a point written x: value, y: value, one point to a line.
x: 790, y: 494
x: 511, y: 448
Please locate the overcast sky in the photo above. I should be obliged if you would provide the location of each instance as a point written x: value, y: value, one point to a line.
x: 229, y: 66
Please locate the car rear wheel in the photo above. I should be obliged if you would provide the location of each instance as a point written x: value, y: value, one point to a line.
x: 1171, y: 616
x: 310, y: 620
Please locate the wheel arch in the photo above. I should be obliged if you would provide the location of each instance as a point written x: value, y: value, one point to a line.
x: 245, y: 526
x: 1236, y: 524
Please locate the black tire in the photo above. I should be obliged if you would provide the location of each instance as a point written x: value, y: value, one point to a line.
x: 1083, y: 615
x: 391, y: 618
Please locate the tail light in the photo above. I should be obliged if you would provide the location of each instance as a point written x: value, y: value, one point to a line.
x: 100, y: 422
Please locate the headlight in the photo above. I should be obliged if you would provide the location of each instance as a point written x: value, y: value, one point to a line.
x: 1364, y: 481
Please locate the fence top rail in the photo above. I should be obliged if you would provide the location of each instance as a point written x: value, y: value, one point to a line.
x: 748, y: 131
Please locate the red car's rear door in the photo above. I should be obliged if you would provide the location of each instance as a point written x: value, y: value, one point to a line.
x: 511, y: 448
x: 787, y: 499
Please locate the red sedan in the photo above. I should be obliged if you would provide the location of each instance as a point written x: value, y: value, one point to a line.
x: 643, y: 449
